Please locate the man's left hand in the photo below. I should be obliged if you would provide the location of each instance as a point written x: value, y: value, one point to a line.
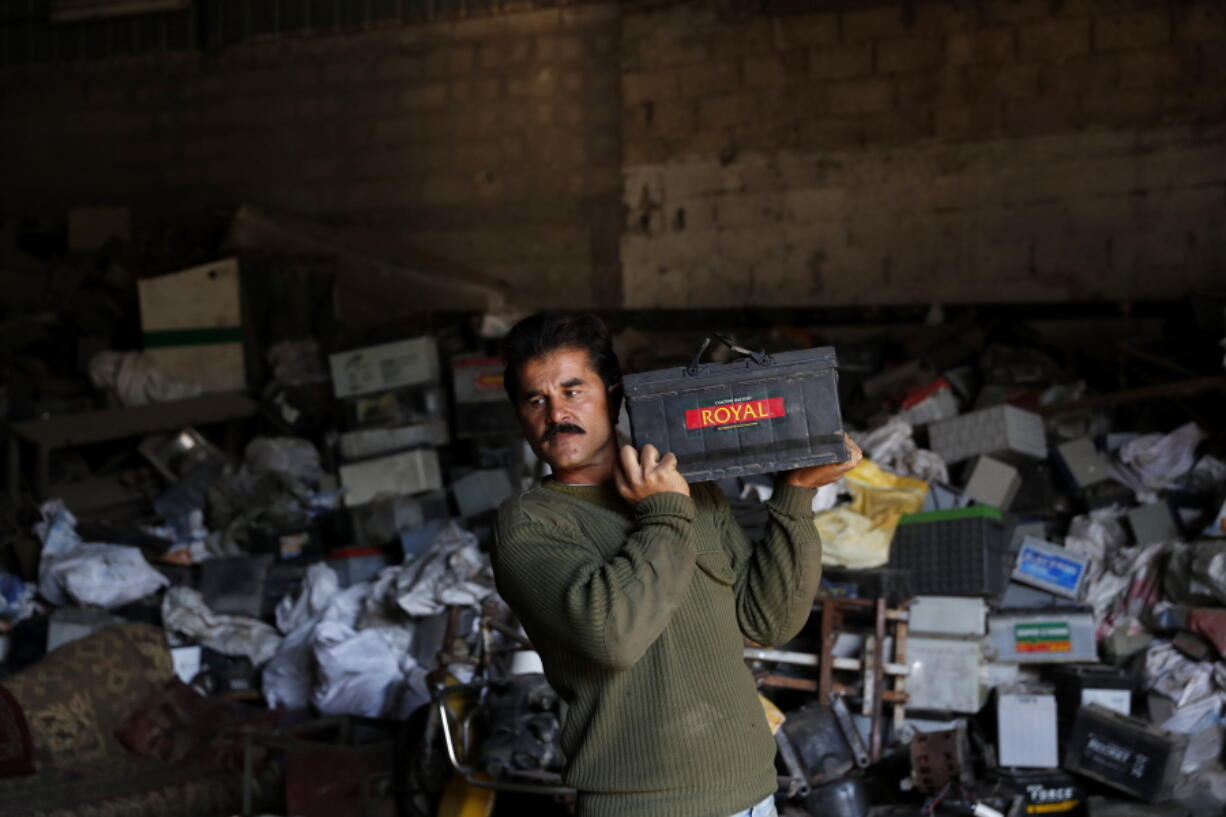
x: 815, y: 476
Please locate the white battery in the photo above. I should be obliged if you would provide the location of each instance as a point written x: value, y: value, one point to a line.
x: 1026, y: 729
x: 945, y: 674
x: 1049, y: 637
x: 948, y: 615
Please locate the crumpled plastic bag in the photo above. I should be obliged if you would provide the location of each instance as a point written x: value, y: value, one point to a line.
x: 294, y: 457
x: 319, y: 586
x: 850, y: 540
x: 137, y: 380
x: 1176, y: 677
x: 882, y: 496
x: 859, y: 535
x: 184, y: 612
x: 366, y: 672
x: 453, y: 572
x: 1096, y: 536
x: 1160, y: 461
x: 891, y: 446
x: 71, y: 571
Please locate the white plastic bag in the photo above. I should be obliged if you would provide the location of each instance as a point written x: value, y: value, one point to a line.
x: 318, y: 587
x: 366, y: 672
x: 453, y: 571
x: 184, y: 612
x: 77, y: 572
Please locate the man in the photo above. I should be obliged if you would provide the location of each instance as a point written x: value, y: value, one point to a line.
x: 637, y: 589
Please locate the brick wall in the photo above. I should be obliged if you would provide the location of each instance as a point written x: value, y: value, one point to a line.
x: 493, y: 141
x: 934, y: 150
x: 676, y: 154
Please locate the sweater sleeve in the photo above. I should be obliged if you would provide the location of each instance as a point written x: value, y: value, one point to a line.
x: 777, y: 578
x: 608, y: 611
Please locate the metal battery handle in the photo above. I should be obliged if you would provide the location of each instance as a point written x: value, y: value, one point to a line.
x: 761, y: 358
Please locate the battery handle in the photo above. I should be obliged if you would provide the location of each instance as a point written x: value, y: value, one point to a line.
x: 761, y: 358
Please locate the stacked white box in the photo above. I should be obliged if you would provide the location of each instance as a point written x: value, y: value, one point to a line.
x: 1001, y: 431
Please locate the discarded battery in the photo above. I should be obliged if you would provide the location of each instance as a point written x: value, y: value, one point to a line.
x: 759, y: 414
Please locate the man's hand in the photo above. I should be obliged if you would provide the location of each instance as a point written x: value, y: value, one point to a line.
x: 640, y: 476
x: 816, y: 476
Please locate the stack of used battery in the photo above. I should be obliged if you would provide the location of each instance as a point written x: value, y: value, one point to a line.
x: 485, y: 422
x: 395, y: 412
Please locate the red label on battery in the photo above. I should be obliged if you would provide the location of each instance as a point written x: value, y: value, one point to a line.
x: 488, y: 381
x: 735, y: 414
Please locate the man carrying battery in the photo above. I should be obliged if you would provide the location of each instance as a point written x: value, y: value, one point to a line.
x: 638, y: 589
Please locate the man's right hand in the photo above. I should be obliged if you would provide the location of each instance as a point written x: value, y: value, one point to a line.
x: 641, y: 475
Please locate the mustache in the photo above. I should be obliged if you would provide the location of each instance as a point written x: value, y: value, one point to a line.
x: 560, y: 428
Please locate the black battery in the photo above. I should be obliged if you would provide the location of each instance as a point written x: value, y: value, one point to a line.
x: 1081, y: 684
x: 1051, y: 791
x: 758, y: 414
x: 1125, y: 753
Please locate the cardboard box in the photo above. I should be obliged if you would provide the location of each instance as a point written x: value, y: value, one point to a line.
x: 388, y: 366
x: 192, y: 324
x: 410, y: 472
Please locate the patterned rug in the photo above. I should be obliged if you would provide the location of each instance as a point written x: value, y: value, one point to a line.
x: 16, y: 747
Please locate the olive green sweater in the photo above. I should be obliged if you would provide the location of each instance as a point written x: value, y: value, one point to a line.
x: 639, y: 614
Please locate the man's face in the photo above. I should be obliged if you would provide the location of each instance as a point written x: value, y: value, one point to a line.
x: 564, y: 412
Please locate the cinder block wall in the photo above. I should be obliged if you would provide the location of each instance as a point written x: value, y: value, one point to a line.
x: 682, y: 154
x: 998, y: 150
x: 493, y: 141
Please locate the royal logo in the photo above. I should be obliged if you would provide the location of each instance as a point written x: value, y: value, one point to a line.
x: 735, y: 414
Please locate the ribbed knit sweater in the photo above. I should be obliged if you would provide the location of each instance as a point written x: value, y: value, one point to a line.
x: 639, y: 614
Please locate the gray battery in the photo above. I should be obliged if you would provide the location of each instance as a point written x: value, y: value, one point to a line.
x: 1048, y: 637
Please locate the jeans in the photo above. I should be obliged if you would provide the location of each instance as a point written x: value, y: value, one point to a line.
x: 764, y: 809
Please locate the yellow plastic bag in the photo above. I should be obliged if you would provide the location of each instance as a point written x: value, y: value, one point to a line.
x: 859, y: 535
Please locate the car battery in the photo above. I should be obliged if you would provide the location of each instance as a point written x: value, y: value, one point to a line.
x: 1125, y: 753
x: 758, y: 414
x: 1051, y: 567
x: 958, y: 552
x: 1026, y: 728
x: 1079, y: 685
x: 481, y: 404
x: 1046, y: 637
x: 1053, y: 791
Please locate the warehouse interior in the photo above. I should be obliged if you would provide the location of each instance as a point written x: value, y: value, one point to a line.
x: 258, y: 262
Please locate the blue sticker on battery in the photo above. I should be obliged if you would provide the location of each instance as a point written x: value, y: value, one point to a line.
x: 1053, y: 570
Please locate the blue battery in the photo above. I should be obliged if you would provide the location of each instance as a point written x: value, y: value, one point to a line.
x: 1050, y: 567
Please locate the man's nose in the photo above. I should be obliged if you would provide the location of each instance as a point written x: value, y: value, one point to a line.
x: 557, y: 413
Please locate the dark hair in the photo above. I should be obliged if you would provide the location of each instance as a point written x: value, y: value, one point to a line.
x: 546, y: 332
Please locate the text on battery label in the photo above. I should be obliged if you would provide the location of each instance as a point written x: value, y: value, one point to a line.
x: 735, y: 413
